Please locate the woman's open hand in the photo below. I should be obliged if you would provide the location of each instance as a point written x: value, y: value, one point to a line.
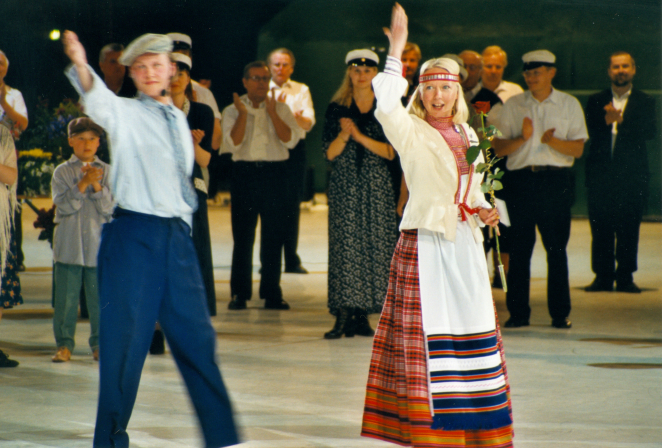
x: 397, y: 33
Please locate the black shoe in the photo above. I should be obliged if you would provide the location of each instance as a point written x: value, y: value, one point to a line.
x: 339, y: 327
x: 237, y: 303
x: 561, y: 323
x: 157, y: 347
x: 276, y: 305
x: 628, y: 287
x: 362, y: 324
x: 296, y: 270
x: 5, y: 361
x: 600, y: 284
x: 516, y: 323
x: 20, y: 268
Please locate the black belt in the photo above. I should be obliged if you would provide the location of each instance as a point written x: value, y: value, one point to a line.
x: 259, y: 164
x: 536, y: 168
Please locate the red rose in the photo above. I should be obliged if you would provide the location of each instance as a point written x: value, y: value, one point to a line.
x: 482, y: 107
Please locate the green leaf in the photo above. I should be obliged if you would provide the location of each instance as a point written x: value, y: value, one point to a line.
x: 485, y: 144
x: 485, y: 187
x: 472, y: 154
x: 497, y: 185
x: 482, y: 167
x: 499, y: 175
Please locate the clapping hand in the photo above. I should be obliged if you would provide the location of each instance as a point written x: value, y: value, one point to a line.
x: 348, y: 127
x: 241, y: 107
x: 527, y: 128
x: 271, y: 101
x: 92, y: 176
x: 547, y: 136
x: 613, y: 115
x: 198, y: 135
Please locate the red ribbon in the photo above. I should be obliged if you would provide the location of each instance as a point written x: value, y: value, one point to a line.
x: 464, y: 209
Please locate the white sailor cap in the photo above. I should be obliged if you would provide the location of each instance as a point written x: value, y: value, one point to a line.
x: 179, y: 57
x: 181, y: 41
x: 147, y: 43
x: 362, y: 57
x: 538, y: 58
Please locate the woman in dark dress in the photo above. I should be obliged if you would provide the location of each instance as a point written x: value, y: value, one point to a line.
x: 201, y: 121
x: 362, y: 218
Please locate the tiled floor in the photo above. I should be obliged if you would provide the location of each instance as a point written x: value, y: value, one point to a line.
x: 597, y: 385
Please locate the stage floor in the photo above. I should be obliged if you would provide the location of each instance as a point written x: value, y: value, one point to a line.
x: 597, y: 385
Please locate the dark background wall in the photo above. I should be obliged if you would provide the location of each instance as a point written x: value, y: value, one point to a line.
x: 227, y: 34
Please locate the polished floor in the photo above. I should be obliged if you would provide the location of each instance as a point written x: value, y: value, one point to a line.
x: 597, y: 385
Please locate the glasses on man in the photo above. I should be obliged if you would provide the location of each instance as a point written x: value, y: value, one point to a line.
x: 260, y: 78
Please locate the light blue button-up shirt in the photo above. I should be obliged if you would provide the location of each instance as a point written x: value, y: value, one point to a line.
x: 79, y: 216
x: 143, y: 176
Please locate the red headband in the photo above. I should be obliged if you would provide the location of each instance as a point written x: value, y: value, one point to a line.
x: 438, y: 77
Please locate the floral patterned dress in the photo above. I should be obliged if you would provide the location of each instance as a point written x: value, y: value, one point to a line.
x: 362, y: 217
x: 10, y: 286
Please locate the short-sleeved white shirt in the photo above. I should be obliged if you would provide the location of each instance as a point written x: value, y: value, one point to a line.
x: 15, y: 100
x: 559, y: 111
x: 298, y: 98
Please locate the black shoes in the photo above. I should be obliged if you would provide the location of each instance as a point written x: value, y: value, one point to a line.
x: 628, y: 287
x: 516, y: 323
x: 157, y: 347
x: 564, y: 323
x: 344, y: 325
x: 5, y: 361
x: 237, y: 303
x: 296, y: 270
x: 362, y: 324
x: 600, y: 284
x: 279, y: 304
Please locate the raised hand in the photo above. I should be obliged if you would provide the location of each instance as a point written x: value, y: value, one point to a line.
x: 398, y: 32
x: 271, y: 102
x: 527, y: 128
x: 613, y: 115
x: 548, y: 135
x: 241, y: 107
x: 74, y: 49
x: 282, y: 97
x: 198, y: 135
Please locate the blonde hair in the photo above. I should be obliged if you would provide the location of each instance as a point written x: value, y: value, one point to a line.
x: 345, y: 92
x: 415, y: 105
x: 495, y: 49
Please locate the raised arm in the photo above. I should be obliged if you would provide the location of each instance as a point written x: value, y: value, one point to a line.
x: 397, y: 34
x: 76, y: 53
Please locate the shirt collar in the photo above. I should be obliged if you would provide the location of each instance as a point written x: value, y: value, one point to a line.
x: 553, y: 97
x: 75, y: 160
x: 249, y: 103
x: 149, y: 101
x: 273, y: 85
x: 625, y: 96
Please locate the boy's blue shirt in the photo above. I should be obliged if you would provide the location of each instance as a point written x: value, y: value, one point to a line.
x: 79, y: 216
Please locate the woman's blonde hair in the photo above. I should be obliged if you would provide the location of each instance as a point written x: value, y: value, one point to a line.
x: 343, y: 95
x: 415, y: 105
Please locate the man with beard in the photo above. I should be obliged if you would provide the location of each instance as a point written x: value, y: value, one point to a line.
x: 619, y: 121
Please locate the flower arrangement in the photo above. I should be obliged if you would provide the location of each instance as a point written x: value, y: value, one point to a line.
x: 43, y: 146
x: 492, y: 180
x: 35, y: 170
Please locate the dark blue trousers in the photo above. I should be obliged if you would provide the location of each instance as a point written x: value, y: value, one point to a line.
x: 148, y: 271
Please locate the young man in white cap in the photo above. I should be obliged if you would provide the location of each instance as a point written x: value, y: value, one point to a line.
x: 543, y: 133
x: 146, y: 262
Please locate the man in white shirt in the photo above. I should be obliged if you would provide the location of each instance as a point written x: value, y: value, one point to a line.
x: 258, y: 131
x: 114, y: 73
x: 543, y: 133
x: 495, y: 60
x: 297, y: 96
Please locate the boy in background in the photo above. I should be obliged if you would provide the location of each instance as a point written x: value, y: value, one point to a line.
x: 84, y: 203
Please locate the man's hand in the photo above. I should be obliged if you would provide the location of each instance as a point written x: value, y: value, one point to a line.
x: 74, y: 49
x: 198, y: 135
x: 613, y: 115
x: 547, y: 136
x: 397, y: 33
x: 241, y: 107
x: 270, y: 102
x: 282, y: 97
x: 527, y: 128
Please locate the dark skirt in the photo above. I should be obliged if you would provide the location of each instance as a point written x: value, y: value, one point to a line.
x: 202, y: 243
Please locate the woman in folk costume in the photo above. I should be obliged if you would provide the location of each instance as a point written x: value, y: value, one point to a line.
x: 10, y: 284
x: 437, y: 376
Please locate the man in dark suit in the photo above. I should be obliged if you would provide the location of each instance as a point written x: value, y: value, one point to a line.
x: 619, y: 121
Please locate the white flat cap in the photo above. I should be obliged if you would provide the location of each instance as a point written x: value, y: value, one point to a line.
x: 362, y: 57
x: 147, y: 43
x: 178, y: 57
x: 538, y: 58
x: 183, y: 38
